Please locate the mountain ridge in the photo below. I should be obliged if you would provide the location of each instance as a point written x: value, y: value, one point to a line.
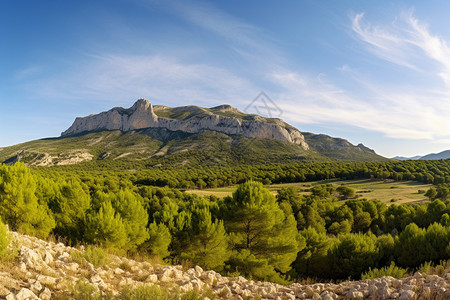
x: 158, y: 135
x: 431, y: 156
x: 142, y: 115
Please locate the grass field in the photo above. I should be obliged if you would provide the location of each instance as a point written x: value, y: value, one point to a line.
x: 383, y: 190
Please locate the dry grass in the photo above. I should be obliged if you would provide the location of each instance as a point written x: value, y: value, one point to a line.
x: 371, y: 189
x: 432, y: 269
x: 93, y: 254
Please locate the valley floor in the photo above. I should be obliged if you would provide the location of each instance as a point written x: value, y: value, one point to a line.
x: 48, y: 270
x: 387, y: 191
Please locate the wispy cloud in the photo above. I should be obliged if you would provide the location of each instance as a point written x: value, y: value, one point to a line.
x: 164, y: 79
x: 308, y: 100
x: 242, y: 37
x: 401, y: 111
x: 407, y: 42
x: 176, y: 77
x: 27, y: 72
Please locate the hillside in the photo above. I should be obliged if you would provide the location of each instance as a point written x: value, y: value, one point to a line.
x: 188, y: 135
x: 189, y: 119
x: 432, y: 156
x: 48, y: 270
x: 441, y: 155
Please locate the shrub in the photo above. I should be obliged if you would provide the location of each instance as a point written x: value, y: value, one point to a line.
x: 96, y: 256
x: 5, y: 238
x: 145, y: 292
x: 93, y: 254
x: 83, y: 290
x: 430, y: 268
x: 125, y: 266
x: 198, y: 295
x: 392, y: 270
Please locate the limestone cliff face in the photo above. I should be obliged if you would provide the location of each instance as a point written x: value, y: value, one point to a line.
x: 141, y: 115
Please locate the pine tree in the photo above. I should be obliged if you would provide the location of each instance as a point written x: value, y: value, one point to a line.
x: 134, y: 217
x: 158, y: 241
x: 69, y: 207
x: 412, y: 240
x: 19, y: 206
x: 353, y: 255
x: 106, y: 228
x: 264, y: 239
x: 312, y: 259
x: 208, y: 241
x: 437, y: 238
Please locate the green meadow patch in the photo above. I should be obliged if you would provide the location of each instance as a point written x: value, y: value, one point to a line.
x: 387, y: 191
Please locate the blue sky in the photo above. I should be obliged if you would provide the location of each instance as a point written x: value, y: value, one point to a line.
x: 373, y: 72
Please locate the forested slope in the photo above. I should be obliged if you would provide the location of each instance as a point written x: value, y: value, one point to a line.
x: 252, y: 233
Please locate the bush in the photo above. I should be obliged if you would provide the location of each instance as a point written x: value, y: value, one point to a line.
x: 430, y: 268
x: 93, y: 254
x: 146, y: 292
x: 5, y: 238
x: 392, y: 270
x: 83, y: 290
x: 425, y: 267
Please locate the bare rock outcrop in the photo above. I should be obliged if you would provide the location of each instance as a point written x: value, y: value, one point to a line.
x: 47, y: 270
x: 141, y: 115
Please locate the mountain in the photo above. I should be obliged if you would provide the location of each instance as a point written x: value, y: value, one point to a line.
x: 432, y: 156
x: 189, y: 119
x: 407, y: 158
x: 338, y: 148
x: 441, y: 155
x: 157, y: 135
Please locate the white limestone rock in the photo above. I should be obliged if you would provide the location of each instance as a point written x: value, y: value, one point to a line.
x: 26, y: 294
x: 141, y: 115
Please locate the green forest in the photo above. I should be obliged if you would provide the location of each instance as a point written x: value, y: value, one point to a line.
x: 326, y: 234
x: 201, y: 176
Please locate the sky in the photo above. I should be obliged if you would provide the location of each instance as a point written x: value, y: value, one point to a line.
x: 372, y: 72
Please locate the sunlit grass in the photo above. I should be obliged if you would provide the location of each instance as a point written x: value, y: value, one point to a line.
x: 371, y: 189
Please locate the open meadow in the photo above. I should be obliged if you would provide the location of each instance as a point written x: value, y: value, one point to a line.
x: 387, y: 191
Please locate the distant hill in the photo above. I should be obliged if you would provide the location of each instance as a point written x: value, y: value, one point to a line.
x: 432, y: 156
x: 441, y: 155
x: 407, y: 158
x: 188, y: 135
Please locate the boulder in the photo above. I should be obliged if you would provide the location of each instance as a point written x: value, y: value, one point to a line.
x: 10, y: 296
x: 152, y: 278
x: 355, y: 295
x: 31, y: 258
x: 48, y: 257
x: 46, y: 280
x: 96, y: 279
x: 407, y: 295
x: 26, y: 294
x: 46, y: 294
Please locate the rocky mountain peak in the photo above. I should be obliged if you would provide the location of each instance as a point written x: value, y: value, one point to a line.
x: 141, y: 105
x: 363, y: 147
x: 191, y: 119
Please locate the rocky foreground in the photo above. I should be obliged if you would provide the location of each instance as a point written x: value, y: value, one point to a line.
x: 47, y: 270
